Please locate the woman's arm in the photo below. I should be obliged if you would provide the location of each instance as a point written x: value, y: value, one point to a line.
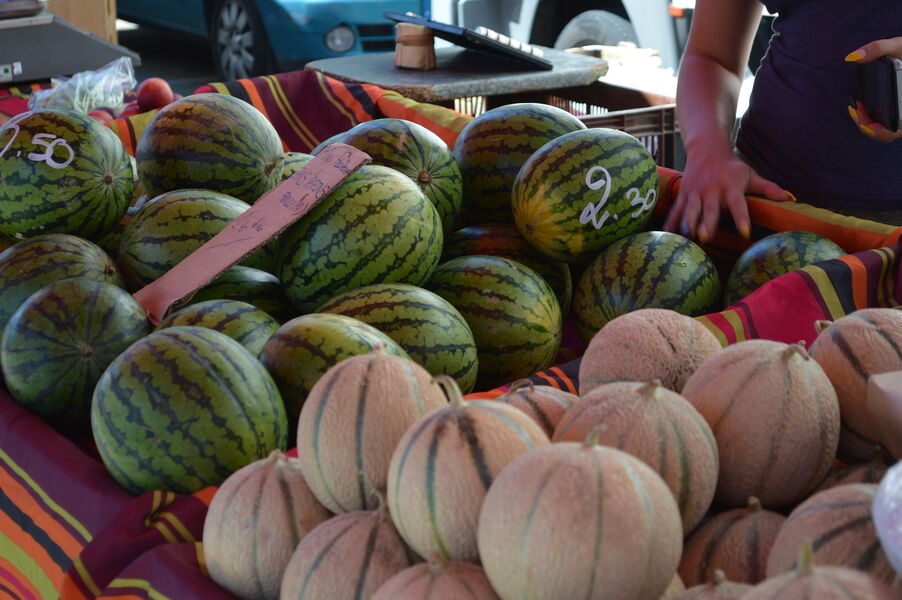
x: 707, y: 93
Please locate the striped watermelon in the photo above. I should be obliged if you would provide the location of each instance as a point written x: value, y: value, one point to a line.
x: 773, y: 256
x: 376, y: 227
x: 303, y: 349
x: 210, y: 141
x: 184, y: 408
x: 415, y: 151
x: 33, y: 263
x: 294, y: 162
x: 59, y: 342
x: 171, y: 226
x: 583, y: 191
x: 61, y: 172
x: 513, y: 314
x: 504, y: 240
x: 335, y: 139
x: 253, y: 286
x: 243, y: 322
x: 647, y: 270
x: 429, y: 329
x: 492, y: 148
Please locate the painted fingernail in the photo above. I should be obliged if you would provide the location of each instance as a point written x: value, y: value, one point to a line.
x: 867, y: 131
x: 792, y: 197
x: 853, y: 113
x: 745, y: 231
x: 702, y: 234
x: 855, y: 56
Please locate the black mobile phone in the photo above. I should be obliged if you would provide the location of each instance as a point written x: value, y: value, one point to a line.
x: 880, y: 91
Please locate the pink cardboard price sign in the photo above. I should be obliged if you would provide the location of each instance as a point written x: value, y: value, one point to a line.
x: 269, y: 216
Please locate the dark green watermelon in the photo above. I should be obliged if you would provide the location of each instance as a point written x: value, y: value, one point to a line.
x: 253, y: 286
x: 243, y: 322
x: 294, y: 162
x: 776, y: 255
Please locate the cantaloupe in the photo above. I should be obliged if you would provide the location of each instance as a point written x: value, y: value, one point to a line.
x: 543, y: 403
x: 444, y: 465
x: 348, y: 557
x: 675, y: 589
x: 884, y: 400
x: 256, y: 519
x: 438, y: 581
x: 579, y: 520
x: 807, y: 580
x: 660, y: 428
x: 735, y: 542
x: 838, y: 522
x: 718, y: 588
x: 850, y: 350
x: 645, y: 345
x: 869, y: 472
x: 775, y: 416
x: 352, y: 421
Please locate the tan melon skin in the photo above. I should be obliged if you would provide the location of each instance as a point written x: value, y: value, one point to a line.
x: 544, y: 404
x: 675, y: 589
x: 645, y: 345
x: 870, y: 472
x: 822, y: 583
x: 256, y: 519
x: 363, y: 406
x: 451, y: 443
x: 660, y: 428
x: 450, y: 581
x: 874, y: 337
x: 838, y: 523
x: 775, y: 417
x: 553, y: 508
x: 726, y: 590
x: 351, y: 553
x: 736, y: 542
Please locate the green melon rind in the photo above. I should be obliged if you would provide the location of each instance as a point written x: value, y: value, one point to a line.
x: 253, y: 286
x: 303, y: 349
x: 647, y: 270
x: 551, y: 194
x: 432, y: 332
x: 292, y: 162
x: 415, y: 151
x: 184, y: 408
x: 31, y: 264
x: 210, y: 141
x: 493, y: 147
x: 88, y: 197
x: 59, y: 342
x: 243, y: 322
x: 776, y: 255
x: 376, y: 227
x: 502, y: 239
x: 513, y: 314
x: 170, y: 227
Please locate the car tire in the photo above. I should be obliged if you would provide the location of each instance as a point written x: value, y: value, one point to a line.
x: 596, y: 27
x: 238, y: 41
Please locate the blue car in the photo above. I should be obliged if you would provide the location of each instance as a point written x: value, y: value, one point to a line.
x: 257, y: 37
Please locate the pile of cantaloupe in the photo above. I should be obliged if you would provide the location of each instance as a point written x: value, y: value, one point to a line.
x: 682, y: 470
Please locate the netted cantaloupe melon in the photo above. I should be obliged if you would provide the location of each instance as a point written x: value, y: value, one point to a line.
x: 543, y: 403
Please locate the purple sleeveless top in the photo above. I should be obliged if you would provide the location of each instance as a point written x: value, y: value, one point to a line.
x: 797, y: 131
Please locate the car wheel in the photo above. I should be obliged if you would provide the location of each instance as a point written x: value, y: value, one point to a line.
x: 595, y: 27
x: 240, y: 47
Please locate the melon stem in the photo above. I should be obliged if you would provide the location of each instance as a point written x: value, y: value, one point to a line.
x: 436, y: 563
x: 806, y: 558
x: 820, y: 326
x: 520, y: 384
x: 449, y: 386
x: 592, y: 438
x: 754, y: 504
x: 719, y: 577
x: 795, y: 349
x: 651, y: 389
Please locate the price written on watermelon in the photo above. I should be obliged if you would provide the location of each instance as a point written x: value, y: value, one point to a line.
x: 49, y: 142
x: 592, y: 210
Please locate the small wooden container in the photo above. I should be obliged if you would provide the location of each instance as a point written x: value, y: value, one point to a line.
x: 414, y: 47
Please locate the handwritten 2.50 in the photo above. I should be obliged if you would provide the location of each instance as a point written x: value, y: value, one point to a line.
x: 592, y: 210
x: 50, y: 144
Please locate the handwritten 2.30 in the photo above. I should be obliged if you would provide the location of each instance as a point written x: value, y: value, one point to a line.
x: 49, y: 148
x: 592, y: 212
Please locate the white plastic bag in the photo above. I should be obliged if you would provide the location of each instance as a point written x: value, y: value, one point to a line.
x: 887, y: 514
x: 88, y: 90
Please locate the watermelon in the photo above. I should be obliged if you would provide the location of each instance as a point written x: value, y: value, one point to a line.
x: 303, y: 349
x: 647, y: 270
x: 171, y: 226
x: 243, y: 322
x: 491, y: 149
x: 583, y: 191
x: 210, y: 141
x: 337, y: 138
x: 7, y: 242
x: 429, y: 329
x: 376, y: 227
x: 184, y: 408
x: 61, y: 172
x: 773, y: 256
x: 513, y: 314
x: 294, y: 162
x: 505, y: 241
x: 253, y: 286
x: 31, y: 264
x: 59, y: 342
x: 415, y: 151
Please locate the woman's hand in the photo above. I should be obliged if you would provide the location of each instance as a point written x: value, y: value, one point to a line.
x: 716, y: 180
x: 889, y: 47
